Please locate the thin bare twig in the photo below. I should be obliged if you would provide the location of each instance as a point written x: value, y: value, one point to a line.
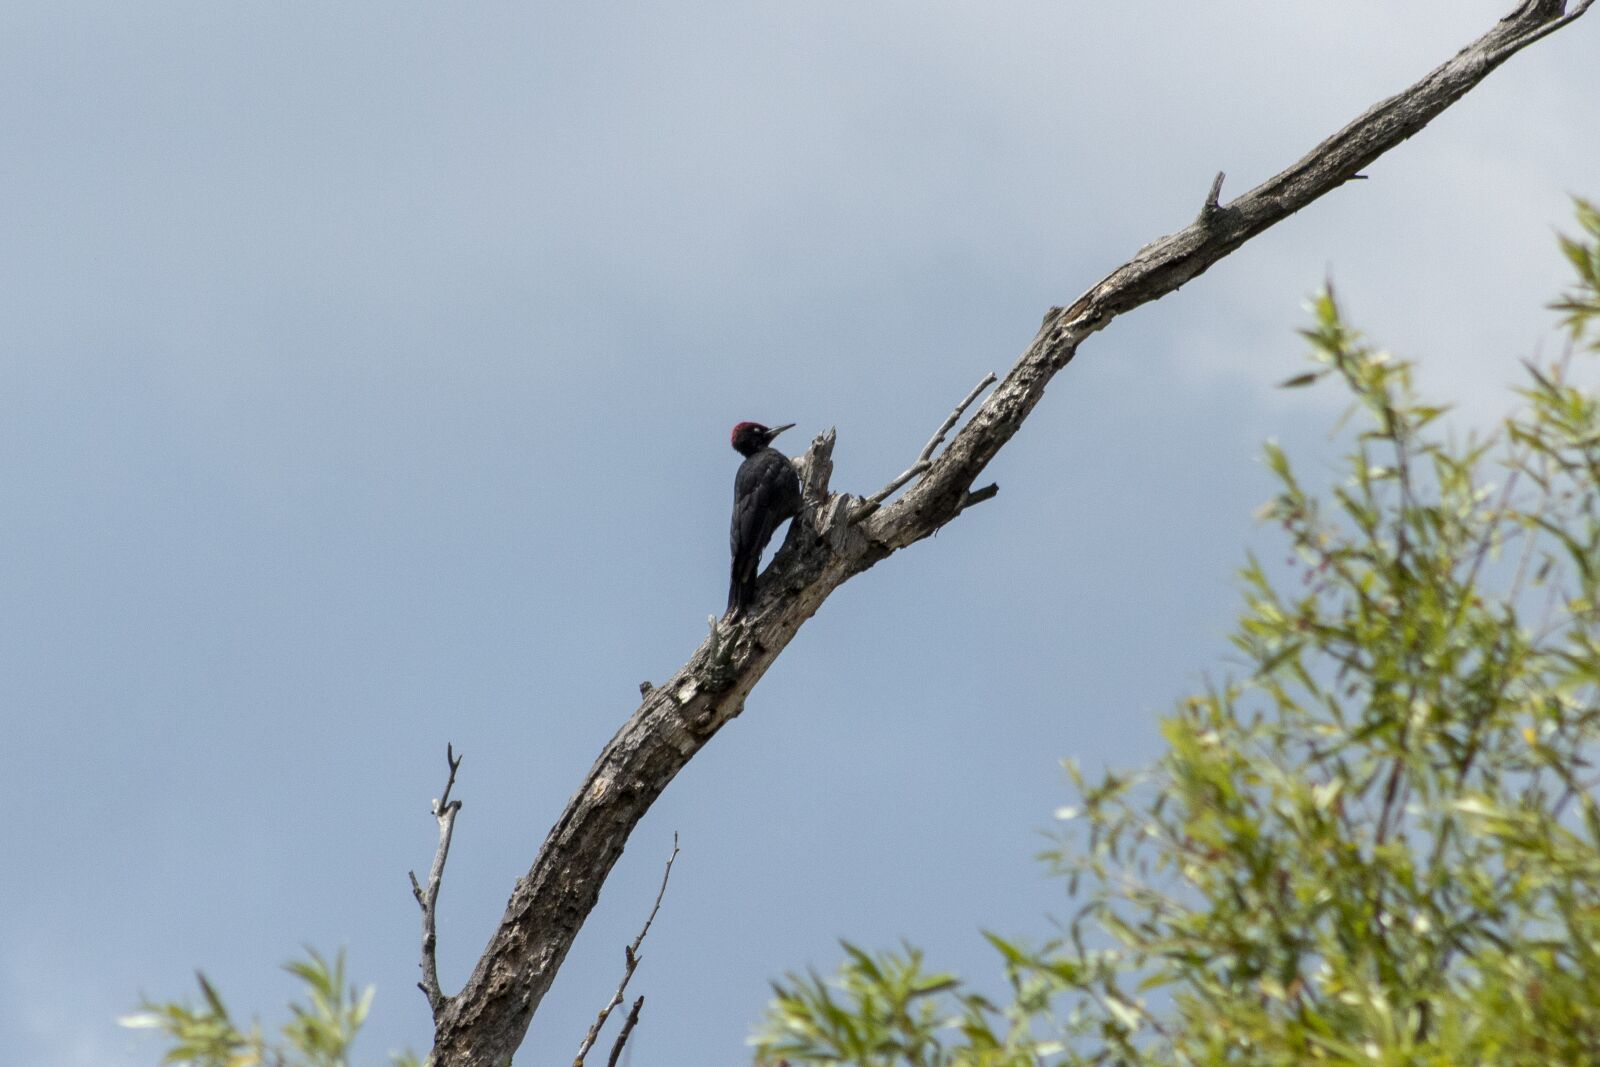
x: 622, y: 1035
x: 630, y: 955
x: 444, y: 809
x: 944, y: 427
x: 925, y: 459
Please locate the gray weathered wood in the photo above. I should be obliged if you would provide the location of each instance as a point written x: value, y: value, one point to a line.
x: 483, y: 1024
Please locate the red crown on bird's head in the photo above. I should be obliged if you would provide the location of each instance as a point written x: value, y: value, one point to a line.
x: 742, y: 427
x: 748, y: 438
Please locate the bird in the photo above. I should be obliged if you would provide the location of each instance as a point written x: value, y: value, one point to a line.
x: 766, y: 492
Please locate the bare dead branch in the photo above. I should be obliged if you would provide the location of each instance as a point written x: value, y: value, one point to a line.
x: 944, y: 427
x: 1172, y: 261
x: 630, y: 955
x: 444, y: 810
x: 622, y: 1035
x: 485, y: 1023
x: 872, y: 503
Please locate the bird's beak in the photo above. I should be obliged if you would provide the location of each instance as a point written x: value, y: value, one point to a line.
x: 776, y: 430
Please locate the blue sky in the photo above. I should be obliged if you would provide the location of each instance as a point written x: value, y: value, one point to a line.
x: 367, y: 378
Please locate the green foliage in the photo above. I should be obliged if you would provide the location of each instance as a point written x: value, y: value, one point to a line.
x: 1381, y: 844
x: 885, y: 1009
x: 319, y: 1032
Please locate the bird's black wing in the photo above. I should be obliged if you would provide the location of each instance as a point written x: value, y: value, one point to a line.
x: 766, y: 491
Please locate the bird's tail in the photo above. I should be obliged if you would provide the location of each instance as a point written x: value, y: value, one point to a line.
x: 741, y: 591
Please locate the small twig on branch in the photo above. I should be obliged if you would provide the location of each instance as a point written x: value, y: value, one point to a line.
x: 925, y: 460
x: 1209, y: 209
x: 622, y: 1035
x: 978, y: 496
x: 944, y: 428
x: 630, y: 955
x: 444, y: 809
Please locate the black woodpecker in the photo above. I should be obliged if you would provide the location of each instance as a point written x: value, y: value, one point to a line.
x: 766, y: 491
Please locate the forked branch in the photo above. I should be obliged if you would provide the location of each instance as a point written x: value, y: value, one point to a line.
x: 444, y: 810
x: 630, y: 956
x: 925, y: 460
